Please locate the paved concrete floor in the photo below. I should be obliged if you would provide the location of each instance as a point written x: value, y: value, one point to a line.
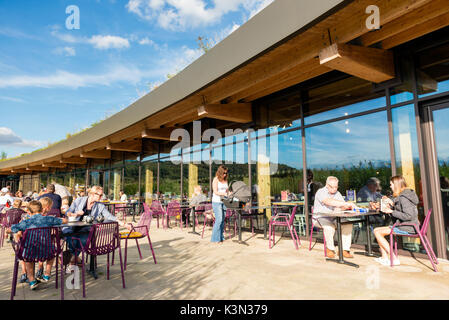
x: 189, y: 267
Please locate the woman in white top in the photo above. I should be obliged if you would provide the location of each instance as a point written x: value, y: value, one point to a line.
x: 220, y: 188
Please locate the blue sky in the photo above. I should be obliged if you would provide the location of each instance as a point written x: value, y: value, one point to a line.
x: 55, y: 81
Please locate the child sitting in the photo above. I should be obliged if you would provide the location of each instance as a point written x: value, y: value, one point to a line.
x: 36, y: 220
x: 46, y: 203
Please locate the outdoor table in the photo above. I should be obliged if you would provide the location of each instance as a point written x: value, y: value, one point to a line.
x: 288, y: 203
x: 195, y: 211
x: 349, y: 214
x: 92, y: 269
x: 239, y: 219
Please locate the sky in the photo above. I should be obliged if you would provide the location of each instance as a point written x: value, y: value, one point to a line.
x: 58, y: 79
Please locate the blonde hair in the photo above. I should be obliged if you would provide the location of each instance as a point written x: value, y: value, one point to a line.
x: 17, y: 203
x: 399, y: 185
x: 46, y: 202
x: 35, y: 206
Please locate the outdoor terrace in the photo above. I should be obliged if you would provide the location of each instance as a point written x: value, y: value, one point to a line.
x: 192, y: 268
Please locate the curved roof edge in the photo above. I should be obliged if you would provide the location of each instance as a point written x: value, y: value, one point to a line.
x: 276, y: 22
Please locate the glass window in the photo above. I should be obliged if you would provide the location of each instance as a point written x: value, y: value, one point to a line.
x: 354, y: 151
x: 407, y: 159
x: 400, y: 94
x: 347, y: 110
x: 433, y: 71
x: 131, y: 182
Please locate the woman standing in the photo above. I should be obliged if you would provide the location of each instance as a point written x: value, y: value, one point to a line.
x: 404, y: 208
x: 220, y: 188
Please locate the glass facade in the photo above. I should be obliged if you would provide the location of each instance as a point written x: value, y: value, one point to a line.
x: 352, y: 130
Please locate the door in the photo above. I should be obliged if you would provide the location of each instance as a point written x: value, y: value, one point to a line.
x: 436, y: 141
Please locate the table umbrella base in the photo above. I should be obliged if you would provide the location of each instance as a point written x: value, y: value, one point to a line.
x: 194, y: 232
x: 343, y: 262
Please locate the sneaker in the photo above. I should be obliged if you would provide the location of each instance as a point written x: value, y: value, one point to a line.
x: 382, y: 261
x: 45, y: 278
x: 23, y: 278
x: 39, y: 274
x: 34, y: 284
x: 396, y: 262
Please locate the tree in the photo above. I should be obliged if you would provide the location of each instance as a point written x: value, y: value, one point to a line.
x: 3, y: 155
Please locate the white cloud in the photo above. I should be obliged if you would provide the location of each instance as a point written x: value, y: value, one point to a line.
x: 9, y: 138
x: 107, y: 42
x: 67, y: 51
x: 185, y: 14
x: 101, y: 42
x: 12, y: 99
x: 62, y: 78
x: 146, y: 41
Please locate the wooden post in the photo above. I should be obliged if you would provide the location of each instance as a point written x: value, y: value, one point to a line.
x: 263, y: 181
x: 193, y: 178
x: 148, y: 186
x: 117, y: 183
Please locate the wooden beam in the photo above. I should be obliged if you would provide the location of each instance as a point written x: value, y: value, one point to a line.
x: 97, y: 154
x: 158, y: 134
x: 127, y: 146
x: 420, y: 15
x: 53, y: 165
x: 277, y: 86
x: 235, y: 112
x: 73, y: 160
x: 19, y: 171
x: 293, y: 76
x: 371, y: 64
x: 39, y: 169
x: 416, y: 31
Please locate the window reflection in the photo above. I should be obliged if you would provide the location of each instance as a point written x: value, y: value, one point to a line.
x: 354, y: 151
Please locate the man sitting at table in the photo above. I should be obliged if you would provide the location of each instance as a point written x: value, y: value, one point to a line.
x: 36, y: 220
x: 87, y: 206
x: 327, y: 199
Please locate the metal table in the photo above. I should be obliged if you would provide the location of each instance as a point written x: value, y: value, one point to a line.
x: 127, y: 205
x: 349, y: 214
x: 239, y: 219
x: 92, y: 264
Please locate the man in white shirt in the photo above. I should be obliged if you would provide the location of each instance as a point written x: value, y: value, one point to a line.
x: 5, y: 197
x: 62, y: 191
x: 327, y: 199
x: 123, y: 197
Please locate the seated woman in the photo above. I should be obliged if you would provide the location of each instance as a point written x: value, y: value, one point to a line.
x: 404, y: 208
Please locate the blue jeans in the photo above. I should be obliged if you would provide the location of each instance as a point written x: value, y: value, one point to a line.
x: 76, y: 244
x: 218, y: 229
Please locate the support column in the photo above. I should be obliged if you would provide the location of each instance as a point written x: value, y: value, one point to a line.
x: 117, y: 183
x: 193, y: 178
x: 263, y: 181
x: 148, y: 186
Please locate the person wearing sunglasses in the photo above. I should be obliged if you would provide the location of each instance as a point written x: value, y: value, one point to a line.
x: 220, y: 189
x: 88, y: 206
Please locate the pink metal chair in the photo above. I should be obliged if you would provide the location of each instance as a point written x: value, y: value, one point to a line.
x: 208, y: 216
x: 421, y: 233
x: 10, y: 217
x: 104, y: 238
x: 141, y: 230
x: 173, y: 210
x: 283, y: 220
x: 316, y: 223
x: 120, y: 208
x: 157, y: 211
x: 230, y: 218
x: 54, y: 213
x: 38, y: 245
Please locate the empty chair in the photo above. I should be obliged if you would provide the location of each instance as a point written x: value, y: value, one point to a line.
x: 283, y: 220
x: 157, y: 211
x: 120, y: 208
x: 174, y: 210
x: 141, y: 230
x: 54, y: 212
x: 421, y: 233
x: 10, y: 217
x: 38, y: 245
